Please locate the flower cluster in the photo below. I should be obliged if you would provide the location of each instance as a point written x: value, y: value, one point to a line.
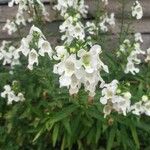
x: 137, y: 10
x: 34, y: 45
x: 64, y: 6
x: 9, y: 54
x: 83, y: 68
x: 11, y: 95
x: 26, y: 9
x: 141, y: 107
x: 78, y: 65
x: 72, y: 29
x: 114, y: 100
x: 106, y: 21
x: 132, y: 51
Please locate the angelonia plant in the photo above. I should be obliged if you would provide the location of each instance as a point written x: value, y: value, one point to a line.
x: 79, y: 93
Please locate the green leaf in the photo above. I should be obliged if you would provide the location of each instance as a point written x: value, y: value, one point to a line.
x: 90, y: 135
x: 142, y: 125
x: 63, y: 142
x: 111, y: 138
x: 66, y: 124
x: 124, y: 137
x: 134, y: 135
x: 98, y: 131
x: 55, y: 134
x: 38, y: 135
x: 57, y: 116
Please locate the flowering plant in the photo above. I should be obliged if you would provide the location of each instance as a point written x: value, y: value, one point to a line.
x: 76, y: 94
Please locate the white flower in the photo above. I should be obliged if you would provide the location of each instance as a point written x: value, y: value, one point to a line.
x: 67, y: 69
x: 34, y: 45
x: 45, y: 47
x: 107, y: 110
x: 20, y: 19
x: 147, y: 108
x: 105, y: 21
x: 141, y: 107
x: 148, y: 55
x: 130, y: 67
x: 111, y: 20
x: 109, y: 90
x: 64, y: 5
x: 133, y: 59
x: 105, y: 2
x: 70, y: 65
x: 33, y: 59
x: 113, y: 101
x: 72, y: 30
x: 91, y: 60
x: 20, y: 97
x: 65, y: 81
x: 137, y: 108
x: 138, y: 37
x: 61, y: 53
x: 91, y: 28
x: 10, y: 26
x: 137, y: 10
x: 74, y: 85
x: 7, y: 90
x: 9, y: 54
x: 24, y: 13
x: 144, y: 98
x: 37, y: 30
x: 24, y: 48
x: 11, y: 96
x: 83, y: 68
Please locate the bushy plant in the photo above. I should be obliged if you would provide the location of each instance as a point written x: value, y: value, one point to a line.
x: 78, y: 94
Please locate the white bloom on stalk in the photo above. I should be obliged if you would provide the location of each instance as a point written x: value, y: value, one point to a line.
x: 24, y: 13
x: 109, y: 90
x: 130, y: 67
x: 91, y: 27
x: 147, y: 59
x: 114, y: 102
x: 133, y: 60
x: 91, y: 61
x: 138, y: 37
x: 10, y: 26
x: 45, y: 47
x: 72, y: 30
x: 7, y: 90
x: 83, y: 68
x: 132, y: 52
x: 33, y: 45
x: 67, y: 70
x: 141, y: 107
x: 137, y: 10
x: 107, y: 21
x: 78, y: 5
x: 35, y: 29
x: 33, y: 59
x: 9, y: 54
x: 11, y: 95
x: 24, y: 47
x: 92, y: 65
x: 61, y: 53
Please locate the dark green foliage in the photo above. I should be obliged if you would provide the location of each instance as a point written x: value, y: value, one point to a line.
x: 51, y: 119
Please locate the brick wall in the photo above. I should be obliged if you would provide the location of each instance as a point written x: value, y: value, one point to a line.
x: 142, y: 26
